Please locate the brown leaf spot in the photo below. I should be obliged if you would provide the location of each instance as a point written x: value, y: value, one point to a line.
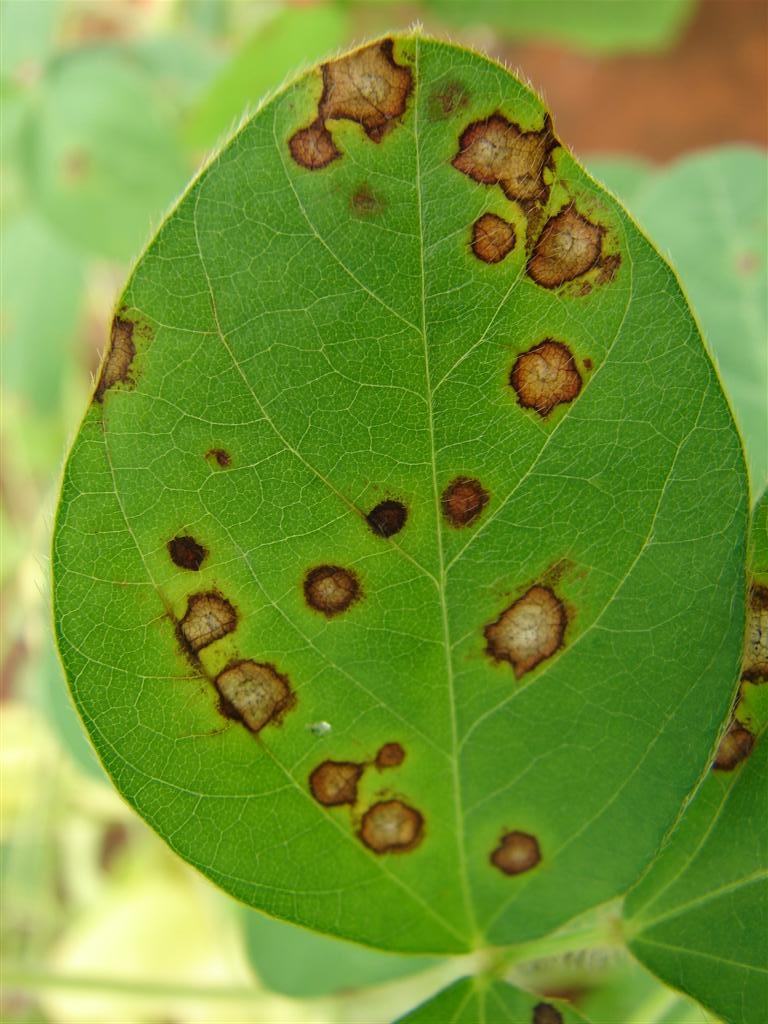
x: 117, y: 363
x: 517, y: 852
x: 587, y: 364
x: 529, y: 631
x: 330, y: 589
x: 545, y: 1013
x: 391, y: 827
x: 368, y: 87
x: 335, y: 782
x: 568, y: 246
x: 390, y: 756
x: 463, y: 501
x: 496, y: 151
x: 387, y: 518
x: 365, y: 202
x: 447, y: 100
x: 545, y: 376
x: 209, y: 617
x: 220, y: 457
x: 313, y: 147
x: 253, y: 694
x: 493, y: 238
x: 186, y: 553
x: 755, y: 664
x: 734, y: 747
x: 608, y: 268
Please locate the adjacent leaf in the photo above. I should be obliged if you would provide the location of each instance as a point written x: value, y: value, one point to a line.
x: 393, y: 571
x: 39, y: 336
x: 300, y: 963
x: 476, y: 1001
x: 599, y: 26
x: 699, y: 918
x: 722, y: 257
x: 102, y: 159
x: 295, y: 34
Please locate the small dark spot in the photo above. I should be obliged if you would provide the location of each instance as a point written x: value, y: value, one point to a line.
x: 391, y: 827
x: 755, y: 662
x: 734, y: 747
x: 253, y: 694
x: 517, y: 852
x: 114, y: 841
x: 493, y: 238
x: 568, y: 246
x: 335, y: 782
x: 313, y: 147
x: 366, y: 86
x: 545, y: 1013
x: 219, y: 456
x: 365, y: 202
x: 446, y: 100
x: 496, y: 151
x: 545, y: 376
x: 463, y: 501
x: 117, y: 364
x: 186, y: 553
x: 587, y: 363
x: 390, y: 756
x: 529, y: 631
x: 330, y: 589
x: 208, y: 618
x: 387, y: 518
x: 77, y: 166
x: 747, y: 263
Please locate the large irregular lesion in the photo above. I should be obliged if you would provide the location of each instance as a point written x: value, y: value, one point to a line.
x: 529, y: 631
x: 120, y: 355
x: 368, y: 87
x: 496, y: 151
x: 562, y: 243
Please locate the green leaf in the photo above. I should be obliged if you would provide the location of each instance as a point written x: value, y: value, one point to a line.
x: 699, y: 918
x: 300, y: 963
x: 598, y: 26
x: 392, y: 572
x: 475, y: 1001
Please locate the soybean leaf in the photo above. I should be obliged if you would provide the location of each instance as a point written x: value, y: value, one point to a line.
x: 392, y: 569
x: 476, y: 1001
x: 300, y: 963
x: 699, y: 918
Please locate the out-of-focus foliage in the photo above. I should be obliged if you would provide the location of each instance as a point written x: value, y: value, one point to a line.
x: 722, y: 259
x: 600, y: 26
x: 71, y: 852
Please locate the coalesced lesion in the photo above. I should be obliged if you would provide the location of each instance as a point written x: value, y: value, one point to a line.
x: 367, y: 86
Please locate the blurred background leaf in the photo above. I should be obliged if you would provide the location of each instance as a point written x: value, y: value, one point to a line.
x: 599, y: 26
x: 722, y: 261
